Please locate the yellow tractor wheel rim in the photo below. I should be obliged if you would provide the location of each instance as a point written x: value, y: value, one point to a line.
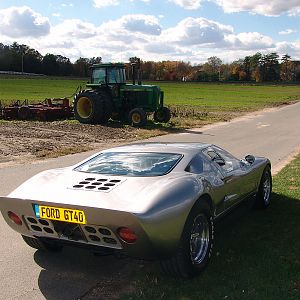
x: 84, y: 107
x: 136, y: 118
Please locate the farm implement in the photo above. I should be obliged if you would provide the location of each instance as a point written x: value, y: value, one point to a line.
x: 49, y: 109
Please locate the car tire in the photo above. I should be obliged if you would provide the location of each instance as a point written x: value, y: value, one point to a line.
x: 263, y: 196
x: 137, y: 117
x: 162, y: 115
x: 41, y: 245
x: 193, y: 253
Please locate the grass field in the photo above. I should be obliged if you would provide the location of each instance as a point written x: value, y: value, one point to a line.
x: 210, y: 96
x: 256, y: 254
x: 228, y: 96
x: 192, y: 104
x: 36, y: 89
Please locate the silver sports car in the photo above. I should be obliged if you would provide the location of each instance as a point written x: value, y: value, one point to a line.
x: 149, y: 200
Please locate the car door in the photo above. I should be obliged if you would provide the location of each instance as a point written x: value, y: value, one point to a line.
x: 242, y: 172
x: 235, y: 185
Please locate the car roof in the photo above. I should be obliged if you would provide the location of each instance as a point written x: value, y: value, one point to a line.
x: 180, y: 148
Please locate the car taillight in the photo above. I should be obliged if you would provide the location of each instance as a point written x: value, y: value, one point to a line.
x: 127, y: 235
x: 14, y: 217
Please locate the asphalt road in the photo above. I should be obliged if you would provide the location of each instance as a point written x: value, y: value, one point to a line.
x: 29, y: 274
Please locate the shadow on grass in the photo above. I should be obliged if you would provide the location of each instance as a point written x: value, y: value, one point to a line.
x: 256, y: 256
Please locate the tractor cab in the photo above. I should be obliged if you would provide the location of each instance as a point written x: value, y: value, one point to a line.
x: 108, y: 74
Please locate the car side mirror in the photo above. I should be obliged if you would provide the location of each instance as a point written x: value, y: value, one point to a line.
x: 250, y: 158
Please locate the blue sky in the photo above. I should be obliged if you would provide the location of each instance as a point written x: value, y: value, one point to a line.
x: 188, y: 30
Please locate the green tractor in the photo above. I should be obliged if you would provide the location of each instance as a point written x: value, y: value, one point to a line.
x: 109, y: 96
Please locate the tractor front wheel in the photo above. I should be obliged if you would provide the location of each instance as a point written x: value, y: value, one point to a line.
x: 137, y: 117
x: 162, y: 115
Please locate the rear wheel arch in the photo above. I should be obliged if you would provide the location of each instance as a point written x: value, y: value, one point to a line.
x: 184, y: 263
x: 205, y: 198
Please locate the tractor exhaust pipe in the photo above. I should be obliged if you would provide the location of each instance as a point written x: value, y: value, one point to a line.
x: 133, y: 72
x: 136, y: 73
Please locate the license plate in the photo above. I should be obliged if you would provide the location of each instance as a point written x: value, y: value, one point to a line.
x: 60, y: 214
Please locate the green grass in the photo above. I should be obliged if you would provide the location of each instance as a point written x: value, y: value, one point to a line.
x: 37, y: 89
x: 256, y: 253
x: 211, y: 97
x: 218, y: 97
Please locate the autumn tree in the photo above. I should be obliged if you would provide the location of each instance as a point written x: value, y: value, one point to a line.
x: 287, y: 69
x: 269, y: 67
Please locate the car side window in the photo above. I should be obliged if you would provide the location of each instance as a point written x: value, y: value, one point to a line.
x: 195, y: 165
x: 198, y: 165
x: 226, y: 162
x: 231, y: 163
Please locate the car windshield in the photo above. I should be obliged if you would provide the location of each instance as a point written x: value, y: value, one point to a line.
x: 131, y: 163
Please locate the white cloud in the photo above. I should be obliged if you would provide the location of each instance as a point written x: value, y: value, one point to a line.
x: 74, y: 28
x: 287, y: 31
x: 263, y: 7
x: 188, y: 4
x: 132, y: 24
x: 291, y: 48
x: 67, y: 4
x: 23, y: 21
x: 104, y: 3
x: 192, y: 39
x: 146, y: 1
x: 197, y: 31
x: 249, y: 41
x: 161, y: 48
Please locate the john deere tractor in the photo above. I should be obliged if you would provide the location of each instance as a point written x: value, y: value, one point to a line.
x: 108, y: 96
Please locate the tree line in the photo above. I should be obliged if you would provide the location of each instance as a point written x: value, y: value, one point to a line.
x: 22, y: 58
x: 258, y: 67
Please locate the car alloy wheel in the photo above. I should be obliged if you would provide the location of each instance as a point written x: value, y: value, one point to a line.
x: 267, y: 188
x: 199, y: 239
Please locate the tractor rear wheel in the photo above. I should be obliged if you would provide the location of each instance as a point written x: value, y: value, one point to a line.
x: 162, y: 115
x: 91, y: 107
x: 137, y: 117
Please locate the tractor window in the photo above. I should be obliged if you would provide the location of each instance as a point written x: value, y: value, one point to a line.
x: 115, y: 75
x: 98, y: 76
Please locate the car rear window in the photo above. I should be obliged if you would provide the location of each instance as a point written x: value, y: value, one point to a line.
x: 131, y: 163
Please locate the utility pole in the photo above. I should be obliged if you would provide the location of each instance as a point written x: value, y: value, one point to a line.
x: 22, y: 62
x: 22, y: 54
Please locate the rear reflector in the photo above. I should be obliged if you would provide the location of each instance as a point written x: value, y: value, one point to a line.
x: 14, y: 217
x: 127, y: 235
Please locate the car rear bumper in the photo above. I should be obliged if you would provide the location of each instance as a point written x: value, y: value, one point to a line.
x: 99, y: 231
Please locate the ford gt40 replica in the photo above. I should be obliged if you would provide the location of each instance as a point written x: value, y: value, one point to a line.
x: 149, y: 201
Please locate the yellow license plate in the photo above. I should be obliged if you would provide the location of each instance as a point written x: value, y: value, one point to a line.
x: 60, y: 214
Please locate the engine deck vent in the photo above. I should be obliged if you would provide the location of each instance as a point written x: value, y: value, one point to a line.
x: 97, y: 184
